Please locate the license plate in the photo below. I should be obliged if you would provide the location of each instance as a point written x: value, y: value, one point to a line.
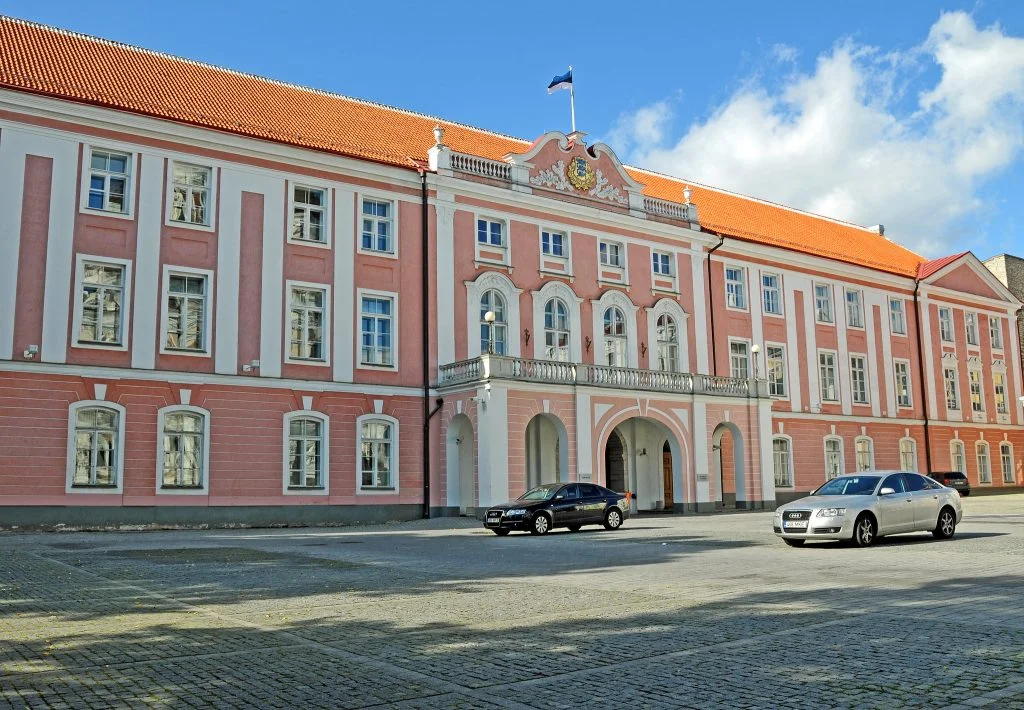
x: 802, y: 524
x: 493, y: 518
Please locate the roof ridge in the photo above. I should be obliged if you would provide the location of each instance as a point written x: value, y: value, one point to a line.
x: 258, y: 77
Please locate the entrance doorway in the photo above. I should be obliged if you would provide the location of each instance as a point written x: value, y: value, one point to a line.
x: 644, y: 456
x: 547, y: 451
x: 461, y: 454
x: 615, y: 464
x: 729, y: 469
x: 666, y: 474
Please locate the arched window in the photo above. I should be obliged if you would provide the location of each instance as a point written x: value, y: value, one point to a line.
x: 377, y: 470
x: 306, y: 452
x: 984, y: 463
x: 908, y: 454
x: 615, y: 340
x: 865, y: 451
x: 96, y: 447
x: 782, y: 459
x: 183, y: 454
x: 833, y: 457
x: 957, y: 458
x: 556, y: 330
x: 1006, y: 462
x: 668, y: 343
x: 494, y: 302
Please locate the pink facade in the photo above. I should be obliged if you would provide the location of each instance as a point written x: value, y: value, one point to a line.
x: 233, y: 332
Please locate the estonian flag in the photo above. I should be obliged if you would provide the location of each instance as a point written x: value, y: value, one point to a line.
x: 561, y: 82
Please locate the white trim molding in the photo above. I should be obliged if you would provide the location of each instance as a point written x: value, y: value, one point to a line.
x: 126, y: 302
x: 325, y: 458
x: 392, y: 490
x: 118, y: 486
x: 557, y: 289
x: 209, y: 303
x: 493, y: 281
x: 669, y: 307
x: 204, y: 481
x: 614, y: 298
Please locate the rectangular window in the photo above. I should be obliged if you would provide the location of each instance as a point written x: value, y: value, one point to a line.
x: 957, y: 456
x: 661, y: 263
x: 736, y: 287
x: 781, y: 459
x: 490, y: 233
x: 897, y: 318
x: 305, y: 453
x: 306, y: 323
x: 908, y: 455
x: 190, y: 202
x: 827, y: 374
x: 977, y: 399
x: 854, y: 309
x: 984, y: 465
x: 739, y: 359
x: 823, y: 303
x: 186, y: 312
x: 949, y: 377
x: 971, y: 323
x: 308, y: 206
x: 902, y: 371
x: 552, y: 243
x: 864, y: 451
x: 96, y: 446
x: 102, y: 298
x: 109, y: 181
x: 946, y: 324
x: 611, y: 254
x: 1006, y: 463
x: 775, y: 357
x: 771, y: 294
x: 999, y: 385
x: 377, y: 323
x: 379, y: 227
x: 375, y: 442
x: 833, y: 458
x: 859, y: 378
x: 995, y: 332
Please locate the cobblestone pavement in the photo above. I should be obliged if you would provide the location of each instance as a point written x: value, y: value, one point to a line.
x: 687, y: 612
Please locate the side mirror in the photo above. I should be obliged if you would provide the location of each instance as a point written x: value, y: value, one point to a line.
x: 559, y: 496
x: 886, y: 491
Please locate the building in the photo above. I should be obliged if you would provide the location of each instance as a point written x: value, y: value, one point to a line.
x: 232, y: 300
x: 1009, y: 270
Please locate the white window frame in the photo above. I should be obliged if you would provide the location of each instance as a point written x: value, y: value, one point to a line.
x: 328, y: 323
x: 328, y: 215
x: 995, y: 332
x: 610, y: 298
x: 957, y: 448
x: 912, y: 452
x: 394, y: 489
x: 395, y: 205
x: 552, y: 232
x: 785, y: 370
x: 946, y: 332
x: 669, y: 307
x: 325, y: 458
x: 955, y: 381
x: 976, y: 372
x: 897, y: 317
x: 673, y: 269
x: 896, y: 363
x: 750, y: 362
x: 1002, y: 405
x: 487, y: 281
x: 170, y: 270
x: 604, y: 247
x: 565, y: 260
x: 830, y: 310
x: 204, y: 487
x: 211, y: 212
x: 779, y: 296
x: 867, y: 381
x: 984, y: 472
x: 126, y: 302
x: 858, y: 303
x: 738, y: 289
x: 505, y: 249
x: 835, y: 376
x: 1004, y: 447
x: 118, y: 486
x: 362, y: 293
x: 560, y: 289
x: 133, y: 163
x: 971, y: 327
x: 871, y: 453
x: 842, y: 454
x: 790, y: 478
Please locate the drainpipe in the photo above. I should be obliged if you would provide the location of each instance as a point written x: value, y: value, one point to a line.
x: 425, y: 296
x: 921, y: 369
x: 711, y: 307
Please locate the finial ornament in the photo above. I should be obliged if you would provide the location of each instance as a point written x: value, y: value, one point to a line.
x: 438, y: 136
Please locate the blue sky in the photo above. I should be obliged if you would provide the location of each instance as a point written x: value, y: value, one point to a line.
x: 904, y: 113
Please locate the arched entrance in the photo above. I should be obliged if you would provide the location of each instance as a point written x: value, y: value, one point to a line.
x: 461, y: 455
x: 643, y: 455
x: 729, y: 469
x: 547, y: 451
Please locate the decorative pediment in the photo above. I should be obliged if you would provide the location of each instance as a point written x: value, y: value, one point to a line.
x: 974, y: 361
x: 949, y: 357
x: 998, y: 365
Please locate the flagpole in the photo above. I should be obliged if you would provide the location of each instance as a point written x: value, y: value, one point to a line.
x: 572, y: 99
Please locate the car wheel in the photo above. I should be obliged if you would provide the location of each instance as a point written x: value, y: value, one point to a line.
x: 945, y: 526
x: 501, y: 532
x: 793, y: 543
x: 865, y: 530
x: 574, y: 528
x: 613, y: 519
x: 541, y: 524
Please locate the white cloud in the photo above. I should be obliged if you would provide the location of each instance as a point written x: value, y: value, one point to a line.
x: 785, y: 53
x: 841, y: 142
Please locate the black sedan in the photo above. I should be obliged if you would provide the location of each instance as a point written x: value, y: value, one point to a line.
x: 559, y: 505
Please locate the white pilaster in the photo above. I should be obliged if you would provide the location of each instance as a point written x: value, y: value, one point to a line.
x: 12, y: 186
x: 756, y: 316
x: 843, y: 351
x: 767, y: 467
x: 872, y: 358
x: 147, y: 262
x: 700, y: 311
x: 492, y: 446
x: 445, y: 285
x: 59, y: 246
x: 701, y: 469
x: 793, y: 358
x: 344, y: 284
x: 584, y: 452
x: 925, y: 332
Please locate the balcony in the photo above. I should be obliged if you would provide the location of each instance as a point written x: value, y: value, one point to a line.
x: 499, y: 367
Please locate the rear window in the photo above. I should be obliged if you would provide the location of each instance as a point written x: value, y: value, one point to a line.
x: 954, y: 476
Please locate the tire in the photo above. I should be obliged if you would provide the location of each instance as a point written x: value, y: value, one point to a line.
x: 865, y: 531
x: 541, y: 524
x: 945, y: 526
x: 613, y: 519
x: 574, y: 528
x: 794, y: 543
x: 500, y: 532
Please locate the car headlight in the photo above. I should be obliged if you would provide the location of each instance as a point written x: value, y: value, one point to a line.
x: 516, y: 511
x: 831, y: 512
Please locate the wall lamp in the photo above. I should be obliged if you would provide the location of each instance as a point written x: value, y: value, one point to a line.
x: 250, y: 366
x: 30, y: 352
x: 588, y: 342
x: 526, y: 334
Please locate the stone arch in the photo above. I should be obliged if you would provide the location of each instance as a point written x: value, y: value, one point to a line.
x: 546, y: 443
x: 460, y: 449
x: 497, y: 281
x: 736, y: 453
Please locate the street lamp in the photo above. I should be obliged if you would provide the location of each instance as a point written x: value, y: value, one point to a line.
x: 756, y: 350
x: 489, y: 318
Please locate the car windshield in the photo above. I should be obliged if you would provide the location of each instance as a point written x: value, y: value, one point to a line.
x: 540, y: 492
x: 849, y: 486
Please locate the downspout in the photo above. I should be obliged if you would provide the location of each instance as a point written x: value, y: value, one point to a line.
x: 924, y: 391
x: 425, y: 299
x: 711, y: 307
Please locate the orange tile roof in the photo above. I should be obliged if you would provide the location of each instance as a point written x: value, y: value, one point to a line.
x: 71, y: 66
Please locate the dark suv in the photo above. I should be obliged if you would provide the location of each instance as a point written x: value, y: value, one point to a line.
x: 953, y: 479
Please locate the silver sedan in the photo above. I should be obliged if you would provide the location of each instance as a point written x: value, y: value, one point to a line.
x: 866, y: 506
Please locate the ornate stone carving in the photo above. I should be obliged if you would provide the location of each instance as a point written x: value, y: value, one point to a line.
x: 555, y: 178
x: 604, y: 190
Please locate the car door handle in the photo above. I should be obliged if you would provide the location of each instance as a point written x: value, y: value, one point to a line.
x: 909, y: 499
x: 935, y: 497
